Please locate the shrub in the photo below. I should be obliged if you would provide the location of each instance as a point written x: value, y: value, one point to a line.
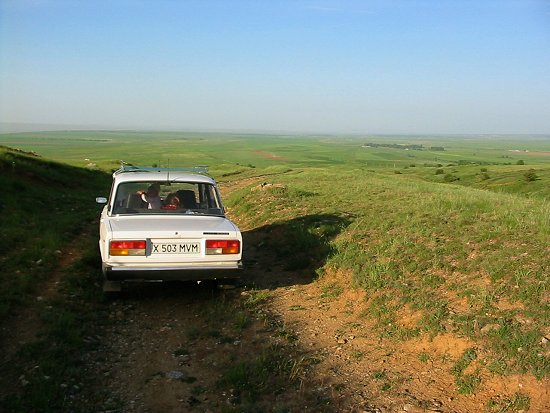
x: 439, y: 171
x: 450, y: 178
x: 530, y: 175
x: 520, y: 162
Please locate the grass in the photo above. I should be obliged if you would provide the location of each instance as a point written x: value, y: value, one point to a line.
x: 466, y: 383
x: 53, y: 371
x: 517, y: 402
x: 45, y: 206
x: 435, y: 241
x: 253, y: 377
x: 418, y: 242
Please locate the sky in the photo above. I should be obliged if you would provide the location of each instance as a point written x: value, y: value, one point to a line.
x: 311, y: 66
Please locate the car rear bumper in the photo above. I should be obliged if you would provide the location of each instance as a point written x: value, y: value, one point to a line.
x: 183, y: 273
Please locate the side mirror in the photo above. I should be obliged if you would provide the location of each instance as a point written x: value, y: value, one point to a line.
x: 101, y: 200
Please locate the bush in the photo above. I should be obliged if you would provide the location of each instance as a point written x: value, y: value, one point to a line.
x: 450, y: 178
x: 439, y: 171
x: 530, y: 175
x: 520, y: 162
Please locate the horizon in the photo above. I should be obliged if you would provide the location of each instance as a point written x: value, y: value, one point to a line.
x: 303, y: 66
x: 45, y: 128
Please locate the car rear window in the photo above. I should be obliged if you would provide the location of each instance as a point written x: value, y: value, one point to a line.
x: 151, y: 197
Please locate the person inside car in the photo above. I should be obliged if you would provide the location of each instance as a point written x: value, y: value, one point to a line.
x: 171, y: 202
x: 151, y: 196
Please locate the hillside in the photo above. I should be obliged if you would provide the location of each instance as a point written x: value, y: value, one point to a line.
x: 45, y: 206
x: 462, y: 260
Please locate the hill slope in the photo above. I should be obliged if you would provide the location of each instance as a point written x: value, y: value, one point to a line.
x: 433, y: 259
x: 44, y: 206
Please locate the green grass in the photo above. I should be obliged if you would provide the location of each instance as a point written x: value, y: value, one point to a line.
x: 418, y: 241
x: 518, y: 402
x: 53, y: 367
x: 253, y: 377
x: 45, y: 206
x: 466, y: 383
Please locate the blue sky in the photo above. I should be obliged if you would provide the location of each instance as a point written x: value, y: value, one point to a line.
x: 321, y: 66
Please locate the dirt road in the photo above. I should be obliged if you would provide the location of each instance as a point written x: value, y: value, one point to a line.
x: 282, y: 342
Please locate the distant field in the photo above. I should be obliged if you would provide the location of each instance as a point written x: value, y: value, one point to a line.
x: 222, y: 151
x: 498, y: 163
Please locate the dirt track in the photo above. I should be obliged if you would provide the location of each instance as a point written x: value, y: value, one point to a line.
x: 170, y: 347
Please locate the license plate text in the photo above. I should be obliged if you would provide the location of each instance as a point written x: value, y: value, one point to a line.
x: 176, y: 248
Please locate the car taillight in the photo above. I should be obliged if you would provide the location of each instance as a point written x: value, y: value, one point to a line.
x: 214, y: 247
x: 127, y: 247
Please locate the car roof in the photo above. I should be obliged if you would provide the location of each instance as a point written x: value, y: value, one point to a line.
x: 165, y: 175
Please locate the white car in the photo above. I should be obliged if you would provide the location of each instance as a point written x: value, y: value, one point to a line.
x: 166, y: 224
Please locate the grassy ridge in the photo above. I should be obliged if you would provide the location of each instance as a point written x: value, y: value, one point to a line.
x: 468, y: 261
x: 48, y: 213
x: 44, y: 206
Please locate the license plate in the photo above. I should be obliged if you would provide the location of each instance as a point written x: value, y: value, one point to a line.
x: 175, y: 248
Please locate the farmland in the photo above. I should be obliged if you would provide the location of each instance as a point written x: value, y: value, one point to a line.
x: 427, y: 252
x: 108, y: 148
